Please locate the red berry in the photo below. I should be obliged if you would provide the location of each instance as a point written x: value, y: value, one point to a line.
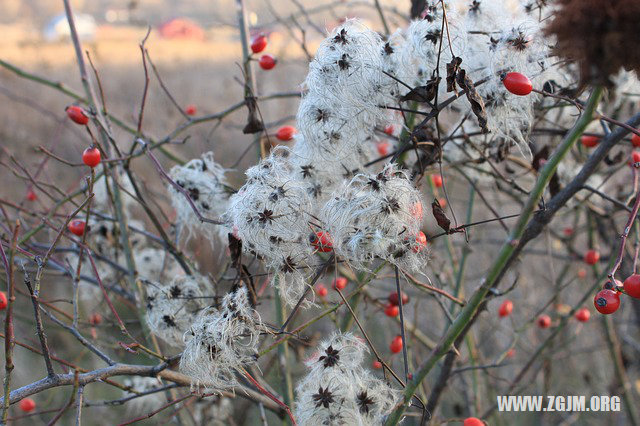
x: 518, y: 84
x: 91, y: 157
x: 95, y: 319
x: 437, y: 181
x: 383, y: 148
x: 511, y: 353
x: 76, y: 114
x: 393, y: 298
x: 191, y: 109
x: 285, y: 133
x: 396, y: 345
x: 635, y: 140
x: 258, y: 43
x: 76, y: 226
x: 27, y: 405
x: 340, y: 283
x: 3, y: 300
x: 443, y: 202
x: 632, y: 286
x: 31, y: 196
x: 389, y: 129
x: 473, y: 421
x: 505, y: 309
x: 607, y: 301
x: 421, y: 242
x: 321, y: 290
x: 635, y: 157
x: 590, y: 141
x: 267, y: 62
x: 544, y: 321
x: 583, y: 315
x: 391, y: 310
x: 591, y: 257
x: 568, y: 231
x: 377, y: 365
x: 321, y: 241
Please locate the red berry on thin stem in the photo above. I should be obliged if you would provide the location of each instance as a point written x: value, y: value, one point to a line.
x: 321, y: 290
x: 635, y: 140
x: 437, y: 181
x: 391, y: 310
x: 321, y: 241
x: 340, y: 283
x: 396, y: 345
x: 473, y: 421
x: 259, y: 43
x: 77, y: 226
x: 377, y: 365
x: 589, y: 141
x: 95, y: 319
x: 267, y: 62
x: 190, y: 109
x: 3, y: 300
x: 568, y: 231
x: 635, y: 157
x: 583, y: 315
x: 27, y: 405
x: 544, y: 321
x: 91, y: 157
x: 393, y: 298
x: 632, y: 286
x: 389, y: 129
x: 285, y: 133
x: 421, y: 242
x: 77, y: 115
x: 607, y: 301
x: 383, y: 148
x: 505, y: 309
x: 591, y: 257
x: 31, y: 196
x: 517, y: 83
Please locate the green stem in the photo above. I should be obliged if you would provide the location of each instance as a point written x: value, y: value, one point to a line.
x: 504, y: 256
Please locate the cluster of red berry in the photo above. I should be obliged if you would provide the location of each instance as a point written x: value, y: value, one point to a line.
x: 91, y: 156
x: 544, y: 320
x: 258, y: 44
x: 392, y: 308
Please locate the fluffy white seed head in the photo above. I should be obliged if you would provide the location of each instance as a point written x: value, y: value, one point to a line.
x: 377, y: 216
x: 220, y: 342
x: 338, y: 390
x: 205, y: 181
x: 173, y: 307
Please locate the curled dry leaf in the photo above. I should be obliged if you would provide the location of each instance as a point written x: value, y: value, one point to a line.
x: 477, y: 104
x: 423, y: 93
x: 441, y: 217
x: 453, y: 68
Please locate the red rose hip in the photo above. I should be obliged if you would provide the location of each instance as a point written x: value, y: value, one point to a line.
x: 77, y: 115
x: 544, y: 321
x: 473, y: 421
x: 267, y: 62
x: 591, y: 257
x: 91, y: 157
x: 632, y: 286
x: 259, y: 43
x: 517, y: 83
x: 3, y: 300
x: 635, y: 140
x: 27, y: 405
x: 607, y: 301
x: 589, y: 141
x: 285, y: 133
x: 583, y: 315
x: 394, y: 300
x: 77, y: 226
x: 505, y: 309
x: 340, y: 283
x: 396, y: 345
